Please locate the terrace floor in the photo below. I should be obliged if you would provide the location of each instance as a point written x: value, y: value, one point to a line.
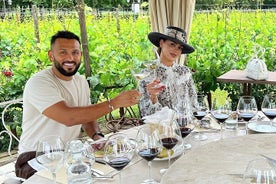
x: 7, y: 165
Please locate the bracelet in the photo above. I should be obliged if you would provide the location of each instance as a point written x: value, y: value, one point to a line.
x: 97, y: 133
x: 110, y: 106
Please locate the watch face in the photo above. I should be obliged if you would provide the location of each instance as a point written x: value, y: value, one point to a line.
x: 97, y: 133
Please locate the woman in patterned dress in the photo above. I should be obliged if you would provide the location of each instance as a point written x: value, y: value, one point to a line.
x: 179, y: 92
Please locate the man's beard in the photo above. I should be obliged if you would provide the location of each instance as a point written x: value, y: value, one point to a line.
x: 64, y: 72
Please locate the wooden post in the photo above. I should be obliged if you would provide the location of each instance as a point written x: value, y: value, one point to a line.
x: 4, y: 7
x: 118, y: 21
x: 36, y: 29
x: 84, y: 40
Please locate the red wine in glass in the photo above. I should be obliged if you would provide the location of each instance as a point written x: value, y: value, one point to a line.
x: 183, y: 122
x: 221, y: 110
x: 118, y: 152
x: 270, y: 114
x: 149, y: 153
x: 247, y: 116
x: 247, y: 108
x: 170, y: 136
x: 200, y: 114
x: 221, y: 117
x: 269, y: 107
x: 169, y: 142
x: 185, y: 131
x: 148, y: 147
x: 118, y: 163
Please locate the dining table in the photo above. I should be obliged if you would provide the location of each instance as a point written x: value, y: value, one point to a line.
x: 215, y: 160
x: 239, y: 76
x: 223, y: 161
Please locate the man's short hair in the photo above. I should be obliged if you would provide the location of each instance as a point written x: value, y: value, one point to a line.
x: 66, y: 35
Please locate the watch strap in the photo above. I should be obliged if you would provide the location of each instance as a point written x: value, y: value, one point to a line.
x: 97, y: 133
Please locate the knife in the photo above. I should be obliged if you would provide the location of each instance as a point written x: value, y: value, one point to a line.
x: 100, y: 161
x: 97, y: 171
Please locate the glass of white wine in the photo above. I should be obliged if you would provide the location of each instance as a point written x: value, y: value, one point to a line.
x: 140, y: 72
x: 50, y: 154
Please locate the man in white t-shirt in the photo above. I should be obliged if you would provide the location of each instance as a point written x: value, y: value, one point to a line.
x: 56, y: 101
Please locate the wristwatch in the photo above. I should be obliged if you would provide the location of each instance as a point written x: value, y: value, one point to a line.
x: 97, y: 133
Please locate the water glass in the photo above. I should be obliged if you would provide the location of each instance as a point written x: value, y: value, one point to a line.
x: 79, y: 161
x: 259, y: 171
x: 232, y: 122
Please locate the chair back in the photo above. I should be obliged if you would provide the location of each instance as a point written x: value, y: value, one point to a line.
x: 11, y: 117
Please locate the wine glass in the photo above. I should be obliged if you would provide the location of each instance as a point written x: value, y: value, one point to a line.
x: 148, y: 147
x: 50, y: 153
x: 259, y: 171
x: 269, y: 107
x: 184, y: 121
x: 221, y: 110
x: 247, y: 109
x: 170, y: 137
x: 140, y: 72
x: 118, y: 152
x: 199, y: 112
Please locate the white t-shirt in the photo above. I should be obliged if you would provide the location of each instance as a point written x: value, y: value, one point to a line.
x: 41, y: 91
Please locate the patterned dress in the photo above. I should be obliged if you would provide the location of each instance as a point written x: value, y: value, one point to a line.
x: 179, y: 93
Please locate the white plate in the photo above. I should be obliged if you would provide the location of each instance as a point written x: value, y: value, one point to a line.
x: 178, y: 150
x: 262, y: 126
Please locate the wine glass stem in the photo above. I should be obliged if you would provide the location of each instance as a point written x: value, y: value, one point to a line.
x: 200, y: 134
x: 149, y: 169
x: 54, y: 177
x: 169, y: 156
x: 120, y: 178
x: 246, y: 128
x: 221, y: 137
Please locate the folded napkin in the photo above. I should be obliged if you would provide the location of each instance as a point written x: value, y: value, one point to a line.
x: 61, y: 176
x: 35, y: 165
x: 62, y: 173
x: 165, y: 114
x: 213, y: 124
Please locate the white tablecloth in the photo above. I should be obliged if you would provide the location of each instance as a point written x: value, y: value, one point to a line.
x: 203, y: 161
x: 222, y: 161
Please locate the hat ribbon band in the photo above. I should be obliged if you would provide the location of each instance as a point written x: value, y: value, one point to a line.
x: 176, y: 34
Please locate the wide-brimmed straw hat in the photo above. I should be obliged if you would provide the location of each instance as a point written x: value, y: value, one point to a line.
x: 174, y: 34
